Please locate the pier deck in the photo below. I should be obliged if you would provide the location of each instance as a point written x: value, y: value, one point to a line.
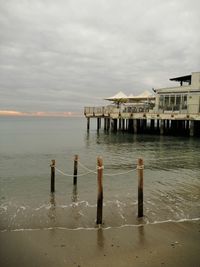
x: 175, y: 123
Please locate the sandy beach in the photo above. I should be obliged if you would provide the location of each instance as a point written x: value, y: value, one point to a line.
x: 163, y: 244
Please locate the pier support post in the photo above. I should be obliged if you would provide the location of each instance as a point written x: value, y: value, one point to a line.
x: 105, y: 123
x: 115, y: 125
x: 138, y: 125
x: 168, y: 122
x: 123, y: 124
x: 187, y: 126
x: 140, y: 168
x: 135, y: 128
x: 108, y: 124
x: 53, y: 165
x: 75, y: 169
x: 88, y: 124
x: 120, y: 123
x: 162, y: 127
x: 100, y: 190
x: 98, y: 123
x: 191, y: 128
x: 152, y: 125
x: 158, y: 125
x: 130, y: 125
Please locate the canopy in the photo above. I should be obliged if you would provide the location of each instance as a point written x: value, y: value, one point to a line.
x: 131, y: 96
x: 122, y: 98
x: 118, y: 97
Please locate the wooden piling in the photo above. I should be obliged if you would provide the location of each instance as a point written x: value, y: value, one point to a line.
x: 88, y: 123
x: 162, y: 127
x: 135, y: 128
x: 191, y: 128
x: 75, y: 169
x: 53, y: 164
x: 140, y: 168
x: 100, y: 190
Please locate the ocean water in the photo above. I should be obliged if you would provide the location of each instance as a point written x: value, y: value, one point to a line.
x: 28, y: 144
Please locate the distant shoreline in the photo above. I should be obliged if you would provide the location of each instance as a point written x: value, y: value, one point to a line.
x: 13, y: 113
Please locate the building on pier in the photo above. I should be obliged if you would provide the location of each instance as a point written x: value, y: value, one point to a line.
x: 180, y: 99
x: 172, y: 110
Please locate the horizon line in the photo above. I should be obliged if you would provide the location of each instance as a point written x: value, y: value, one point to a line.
x: 15, y: 113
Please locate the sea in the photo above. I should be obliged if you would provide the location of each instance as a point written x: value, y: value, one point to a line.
x: 28, y: 144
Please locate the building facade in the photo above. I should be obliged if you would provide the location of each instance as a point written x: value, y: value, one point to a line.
x: 180, y: 99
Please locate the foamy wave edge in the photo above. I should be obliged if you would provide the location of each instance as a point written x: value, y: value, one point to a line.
x: 97, y: 227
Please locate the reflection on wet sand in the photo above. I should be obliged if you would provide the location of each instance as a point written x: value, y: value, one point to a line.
x: 52, y: 210
x: 100, y: 238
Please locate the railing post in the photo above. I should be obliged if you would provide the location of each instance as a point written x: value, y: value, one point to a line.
x: 140, y: 168
x: 75, y: 169
x: 53, y: 164
x: 100, y: 190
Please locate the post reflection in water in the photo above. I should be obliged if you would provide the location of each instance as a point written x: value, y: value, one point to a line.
x: 52, y: 210
x: 141, y: 234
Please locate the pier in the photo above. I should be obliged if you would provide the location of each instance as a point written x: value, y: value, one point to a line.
x: 170, y: 111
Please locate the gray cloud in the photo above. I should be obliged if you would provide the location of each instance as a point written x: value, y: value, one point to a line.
x: 62, y: 55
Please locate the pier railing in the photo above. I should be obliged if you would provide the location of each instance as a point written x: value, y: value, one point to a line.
x: 114, y: 110
x: 100, y: 111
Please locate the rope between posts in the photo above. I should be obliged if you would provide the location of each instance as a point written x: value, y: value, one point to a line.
x: 71, y: 175
x: 105, y: 174
x: 108, y: 174
x: 121, y: 173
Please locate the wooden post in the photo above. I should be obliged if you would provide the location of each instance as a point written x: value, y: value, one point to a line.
x: 152, y: 125
x: 161, y: 127
x: 191, y: 128
x: 88, y: 123
x: 75, y: 169
x: 53, y: 164
x: 105, y: 123
x: 108, y: 124
x: 98, y: 123
x: 140, y: 168
x: 100, y: 190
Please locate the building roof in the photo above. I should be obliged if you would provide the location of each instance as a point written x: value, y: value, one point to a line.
x: 186, y: 78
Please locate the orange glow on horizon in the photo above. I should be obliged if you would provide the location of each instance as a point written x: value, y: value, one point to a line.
x: 39, y: 113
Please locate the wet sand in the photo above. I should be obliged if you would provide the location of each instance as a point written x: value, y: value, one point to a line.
x: 164, y: 244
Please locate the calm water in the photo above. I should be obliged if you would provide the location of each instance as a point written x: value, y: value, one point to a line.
x: 27, y: 145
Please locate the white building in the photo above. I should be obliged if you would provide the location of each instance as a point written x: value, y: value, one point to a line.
x: 180, y: 99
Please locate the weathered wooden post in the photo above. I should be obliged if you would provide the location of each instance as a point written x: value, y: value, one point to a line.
x: 53, y: 165
x: 98, y: 123
x: 100, y: 190
x: 88, y: 123
x: 135, y: 126
x: 75, y: 169
x: 162, y: 127
x: 140, y: 168
x: 192, y: 128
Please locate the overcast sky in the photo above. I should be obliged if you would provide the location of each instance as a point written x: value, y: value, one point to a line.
x: 59, y: 56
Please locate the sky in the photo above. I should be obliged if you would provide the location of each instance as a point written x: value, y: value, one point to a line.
x: 59, y: 56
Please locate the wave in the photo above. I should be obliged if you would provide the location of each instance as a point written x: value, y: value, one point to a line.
x: 100, y: 226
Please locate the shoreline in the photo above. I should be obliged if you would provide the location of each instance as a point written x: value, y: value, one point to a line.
x: 100, y: 226
x: 152, y: 245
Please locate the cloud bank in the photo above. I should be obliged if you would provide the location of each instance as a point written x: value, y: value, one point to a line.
x: 59, y: 56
